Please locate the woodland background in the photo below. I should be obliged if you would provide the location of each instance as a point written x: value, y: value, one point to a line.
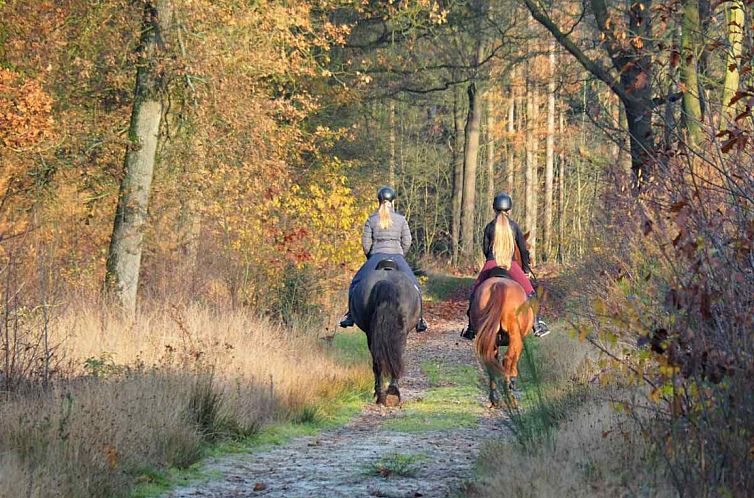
x: 621, y: 129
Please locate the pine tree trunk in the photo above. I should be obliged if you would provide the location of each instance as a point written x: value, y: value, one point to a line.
x: 532, y: 144
x: 458, y: 141
x: 690, y: 49
x: 550, y: 157
x: 124, y: 256
x: 511, y: 129
x: 490, y: 155
x: 391, y: 138
x: 561, y: 192
x: 734, y: 16
x: 470, y: 158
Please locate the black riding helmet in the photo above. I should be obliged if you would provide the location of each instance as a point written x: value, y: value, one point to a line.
x: 502, y: 202
x: 385, y: 194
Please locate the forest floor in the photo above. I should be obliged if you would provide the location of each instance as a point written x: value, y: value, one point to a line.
x: 428, y: 446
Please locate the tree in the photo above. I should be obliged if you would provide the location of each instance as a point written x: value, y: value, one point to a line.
x: 470, y: 158
x: 457, y: 193
x: 734, y: 17
x: 550, y: 153
x: 690, y: 48
x: 633, y: 85
x: 124, y: 255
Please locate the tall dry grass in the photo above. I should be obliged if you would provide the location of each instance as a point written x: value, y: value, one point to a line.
x: 147, y: 394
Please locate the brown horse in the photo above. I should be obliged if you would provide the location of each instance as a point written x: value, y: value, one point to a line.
x: 501, y: 314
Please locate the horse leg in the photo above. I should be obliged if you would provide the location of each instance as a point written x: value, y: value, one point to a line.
x: 510, y: 363
x: 494, y: 391
x: 393, y: 397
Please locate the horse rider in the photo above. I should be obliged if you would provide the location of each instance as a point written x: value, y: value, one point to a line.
x: 502, y: 204
x: 386, y: 236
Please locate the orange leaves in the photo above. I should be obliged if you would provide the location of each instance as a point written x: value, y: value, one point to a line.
x: 25, y: 111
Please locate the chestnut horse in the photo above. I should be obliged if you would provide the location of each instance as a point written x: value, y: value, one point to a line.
x: 501, y: 314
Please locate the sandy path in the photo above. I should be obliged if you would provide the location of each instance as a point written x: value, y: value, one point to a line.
x: 341, y: 462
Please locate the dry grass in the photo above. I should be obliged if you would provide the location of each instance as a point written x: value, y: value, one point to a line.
x: 570, y: 441
x: 595, y: 452
x: 148, y: 394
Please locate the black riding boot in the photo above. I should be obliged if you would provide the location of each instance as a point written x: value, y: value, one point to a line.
x: 347, y: 320
x: 540, y: 327
x: 469, y: 332
x: 422, y: 325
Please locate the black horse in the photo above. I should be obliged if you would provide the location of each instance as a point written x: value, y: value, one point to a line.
x: 385, y: 305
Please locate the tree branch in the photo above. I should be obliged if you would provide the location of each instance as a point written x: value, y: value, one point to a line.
x: 598, y: 70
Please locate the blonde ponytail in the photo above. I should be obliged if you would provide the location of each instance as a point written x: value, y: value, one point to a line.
x: 503, y: 243
x: 386, y: 221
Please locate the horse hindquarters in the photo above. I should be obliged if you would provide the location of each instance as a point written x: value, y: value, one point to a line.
x: 387, y: 329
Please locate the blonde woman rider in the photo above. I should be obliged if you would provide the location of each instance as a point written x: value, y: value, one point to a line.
x: 386, y: 236
x: 501, y: 237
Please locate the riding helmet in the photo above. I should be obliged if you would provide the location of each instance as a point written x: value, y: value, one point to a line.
x: 502, y: 202
x: 385, y: 194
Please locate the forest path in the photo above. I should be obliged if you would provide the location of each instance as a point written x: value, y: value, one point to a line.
x: 426, y: 447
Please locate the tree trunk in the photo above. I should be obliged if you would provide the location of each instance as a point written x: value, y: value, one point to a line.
x: 391, y: 138
x: 124, y: 256
x: 511, y: 129
x: 458, y: 141
x: 734, y: 16
x: 490, y: 155
x: 470, y: 157
x: 561, y: 192
x: 532, y: 112
x: 690, y: 49
x: 550, y: 157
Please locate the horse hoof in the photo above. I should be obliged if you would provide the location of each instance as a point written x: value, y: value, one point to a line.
x: 393, y: 397
x: 381, y: 398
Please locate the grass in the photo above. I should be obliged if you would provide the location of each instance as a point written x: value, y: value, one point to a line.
x: 439, y: 287
x: 138, y: 404
x: 570, y: 441
x: 451, y: 402
x: 395, y: 464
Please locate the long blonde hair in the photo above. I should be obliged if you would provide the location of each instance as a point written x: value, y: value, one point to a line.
x: 503, y: 243
x: 386, y: 221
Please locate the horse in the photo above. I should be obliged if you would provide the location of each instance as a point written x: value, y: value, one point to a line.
x: 386, y: 305
x: 501, y: 315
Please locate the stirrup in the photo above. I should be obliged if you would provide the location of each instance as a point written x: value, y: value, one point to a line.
x: 347, y: 321
x: 540, y: 329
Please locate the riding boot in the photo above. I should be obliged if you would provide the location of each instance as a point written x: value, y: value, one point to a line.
x: 540, y: 327
x: 422, y: 325
x: 347, y: 320
x: 469, y: 332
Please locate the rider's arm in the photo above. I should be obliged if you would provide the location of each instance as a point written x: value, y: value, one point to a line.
x: 366, y: 238
x: 521, y: 243
x: 487, y: 242
x: 405, y: 237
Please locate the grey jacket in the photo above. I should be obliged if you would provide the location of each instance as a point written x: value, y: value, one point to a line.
x: 395, y: 239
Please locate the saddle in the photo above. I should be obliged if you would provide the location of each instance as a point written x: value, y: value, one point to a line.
x: 498, y: 272
x: 387, y: 264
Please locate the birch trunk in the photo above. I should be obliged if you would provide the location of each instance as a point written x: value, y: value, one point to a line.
x: 124, y: 256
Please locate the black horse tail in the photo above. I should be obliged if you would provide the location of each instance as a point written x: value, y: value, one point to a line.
x: 387, y: 328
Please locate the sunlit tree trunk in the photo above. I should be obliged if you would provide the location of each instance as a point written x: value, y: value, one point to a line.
x: 550, y: 154
x: 532, y: 144
x: 490, y: 155
x: 734, y: 16
x: 457, y: 194
x: 470, y: 158
x: 511, y: 166
x: 391, y: 139
x: 690, y: 49
x: 124, y: 256
x: 561, y: 191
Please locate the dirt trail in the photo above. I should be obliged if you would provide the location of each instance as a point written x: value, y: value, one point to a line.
x: 343, y: 462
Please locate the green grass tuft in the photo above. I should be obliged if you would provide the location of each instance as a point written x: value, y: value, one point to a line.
x: 395, y: 464
x: 442, y: 287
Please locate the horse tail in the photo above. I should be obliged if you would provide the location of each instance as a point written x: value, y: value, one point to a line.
x: 489, y: 326
x: 387, y: 328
